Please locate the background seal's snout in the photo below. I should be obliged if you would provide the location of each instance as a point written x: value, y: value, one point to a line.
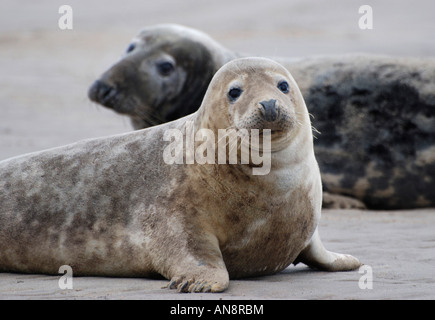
x: 269, y: 110
x: 101, y: 92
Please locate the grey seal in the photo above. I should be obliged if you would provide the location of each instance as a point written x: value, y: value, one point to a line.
x: 113, y: 207
x: 375, y: 114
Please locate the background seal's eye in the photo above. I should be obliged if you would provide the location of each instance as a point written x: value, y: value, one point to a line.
x: 165, y: 68
x: 283, y: 86
x: 131, y: 47
x: 234, y: 93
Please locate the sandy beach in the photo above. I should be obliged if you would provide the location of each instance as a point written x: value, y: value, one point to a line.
x: 45, y: 73
x: 397, y: 246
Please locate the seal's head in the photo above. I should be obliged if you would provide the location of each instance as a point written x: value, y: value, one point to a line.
x: 162, y: 76
x: 256, y: 93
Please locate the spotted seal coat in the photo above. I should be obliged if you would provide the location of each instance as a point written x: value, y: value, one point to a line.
x: 375, y: 114
x: 114, y: 207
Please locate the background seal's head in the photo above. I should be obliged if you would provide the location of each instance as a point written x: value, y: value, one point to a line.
x: 162, y: 76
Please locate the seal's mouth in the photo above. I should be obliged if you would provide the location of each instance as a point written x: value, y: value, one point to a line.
x: 277, y: 131
x: 280, y: 127
x: 111, y: 97
x: 115, y: 99
x: 104, y: 94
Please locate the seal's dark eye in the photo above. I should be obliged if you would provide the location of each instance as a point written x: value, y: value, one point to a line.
x: 283, y: 86
x: 165, y: 68
x: 234, y: 93
x: 131, y: 47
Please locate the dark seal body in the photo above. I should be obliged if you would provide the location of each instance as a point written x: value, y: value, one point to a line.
x: 376, y: 116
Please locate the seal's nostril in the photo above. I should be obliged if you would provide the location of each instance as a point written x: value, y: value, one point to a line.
x: 269, y: 112
x: 104, y: 92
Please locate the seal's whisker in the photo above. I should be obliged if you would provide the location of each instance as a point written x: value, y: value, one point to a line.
x: 149, y: 117
x: 237, y: 74
x: 314, y: 130
x: 232, y: 127
x: 145, y: 113
x: 222, y: 138
x: 234, y: 144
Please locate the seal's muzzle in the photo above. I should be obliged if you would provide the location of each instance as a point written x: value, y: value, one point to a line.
x: 269, y: 111
x: 102, y: 93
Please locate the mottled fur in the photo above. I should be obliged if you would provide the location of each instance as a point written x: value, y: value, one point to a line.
x: 376, y: 115
x: 113, y: 207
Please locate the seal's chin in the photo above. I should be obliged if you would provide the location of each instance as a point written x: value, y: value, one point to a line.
x: 280, y: 139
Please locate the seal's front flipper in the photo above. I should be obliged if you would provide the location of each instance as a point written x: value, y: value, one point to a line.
x: 205, y: 281
x: 199, y: 269
x: 316, y: 256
